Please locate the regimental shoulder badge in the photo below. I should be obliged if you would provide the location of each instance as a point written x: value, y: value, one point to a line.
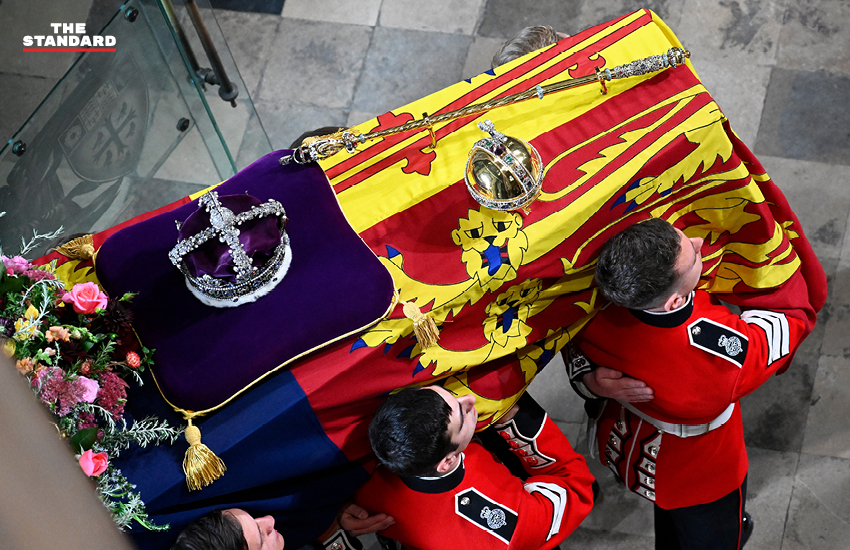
x: 497, y: 519
x: 718, y: 340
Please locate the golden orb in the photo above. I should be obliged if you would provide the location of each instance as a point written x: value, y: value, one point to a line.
x: 503, y: 172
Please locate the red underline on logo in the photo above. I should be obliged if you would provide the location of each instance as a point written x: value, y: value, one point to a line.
x: 69, y: 49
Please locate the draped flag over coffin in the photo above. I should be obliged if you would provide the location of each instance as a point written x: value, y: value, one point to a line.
x: 508, y: 290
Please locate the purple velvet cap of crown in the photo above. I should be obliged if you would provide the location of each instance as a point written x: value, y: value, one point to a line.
x: 258, y: 236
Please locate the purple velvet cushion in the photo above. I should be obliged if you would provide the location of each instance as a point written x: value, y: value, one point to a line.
x: 204, y: 355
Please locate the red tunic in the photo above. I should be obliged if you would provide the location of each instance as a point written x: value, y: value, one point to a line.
x: 698, y: 360
x: 481, y: 504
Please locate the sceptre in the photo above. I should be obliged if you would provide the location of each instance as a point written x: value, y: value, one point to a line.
x: 318, y: 148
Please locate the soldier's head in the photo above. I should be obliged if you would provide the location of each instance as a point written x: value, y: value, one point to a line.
x: 231, y: 529
x: 650, y: 265
x: 422, y: 431
x: 526, y: 41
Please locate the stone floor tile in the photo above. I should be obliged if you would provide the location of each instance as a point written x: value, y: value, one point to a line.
x: 732, y: 32
x: 551, y: 388
x: 836, y: 316
x: 450, y: 16
x: 594, y: 13
x: 775, y: 415
x: 724, y: 81
x: 392, y: 76
x: 620, y: 511
x: 249, y: 37
x: 284, y: 122
x: 19, y: 19
x: 272, y: 7
x: 314, y: 64
x: 769, y: 486
x: 815, y: 36
x: 355, y: 12
x: 836, y: 342
x: 591, y: 539
x: 480, y: 55
x: 826, y: 431
x: 101, y: 13
x: 818, y: 517
x: 26, y: 93
x: 841, y: 287
x: 823, y: 214
x: 254, y: 142
x: 805, y: 117
x: 359, y: 118
x: 190, y: 162
x: 504, y: 18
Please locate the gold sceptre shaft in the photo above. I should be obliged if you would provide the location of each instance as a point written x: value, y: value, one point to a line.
x: 321, y: 147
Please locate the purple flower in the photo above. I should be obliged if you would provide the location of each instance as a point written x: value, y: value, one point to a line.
x: 62, y: 394
x: 36, y: 275
x: 112, y: 394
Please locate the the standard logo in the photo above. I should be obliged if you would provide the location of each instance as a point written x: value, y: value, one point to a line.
x: 69, y: 37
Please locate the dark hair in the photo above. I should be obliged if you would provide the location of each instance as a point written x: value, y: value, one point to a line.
x: 410, y: 432
x: 217, y: 530
x: 525, y: 41
x: 637, y: 266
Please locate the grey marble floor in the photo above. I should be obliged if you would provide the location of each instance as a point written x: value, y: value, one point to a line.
x: 779, y: 69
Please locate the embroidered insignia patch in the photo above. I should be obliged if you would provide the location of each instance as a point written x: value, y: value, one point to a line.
x: 718, y: 340
x: 732, y: 345
x: 497, y: 519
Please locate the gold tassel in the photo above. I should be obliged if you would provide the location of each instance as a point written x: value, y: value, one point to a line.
x: 424, y: 327
x: 200, y: 464
x: 81, y: 248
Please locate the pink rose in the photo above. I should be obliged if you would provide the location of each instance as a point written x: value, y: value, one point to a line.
x: 93, y: 464
x: 90, y: 388
x: 86, y: 298
x: 17, y: 264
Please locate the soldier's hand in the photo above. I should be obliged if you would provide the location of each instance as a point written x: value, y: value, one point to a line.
x: 357, y: 521
x: 612, y: 383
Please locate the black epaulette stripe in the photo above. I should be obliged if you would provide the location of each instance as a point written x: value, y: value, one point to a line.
x: 718, y: 340
x: 497, y: 519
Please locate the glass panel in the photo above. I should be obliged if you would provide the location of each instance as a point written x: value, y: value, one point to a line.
x: 121, y: 134
x: 238, y: 123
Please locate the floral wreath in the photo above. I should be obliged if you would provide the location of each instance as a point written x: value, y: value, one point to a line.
x: 76, y: 348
